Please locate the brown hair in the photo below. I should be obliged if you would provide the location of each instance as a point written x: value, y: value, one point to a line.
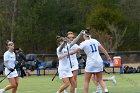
x: 9, y: 42
x: 59, y: 39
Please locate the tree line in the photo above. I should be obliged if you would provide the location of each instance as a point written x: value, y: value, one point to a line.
x: 34, y: 24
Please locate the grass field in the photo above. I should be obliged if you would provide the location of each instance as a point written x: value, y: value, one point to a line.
x: 126, y: 83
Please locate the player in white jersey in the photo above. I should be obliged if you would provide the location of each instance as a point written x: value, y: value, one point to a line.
x: 64, y: 68
x: 9, y: 62
x: 94, y: 62
x: 73, y: 58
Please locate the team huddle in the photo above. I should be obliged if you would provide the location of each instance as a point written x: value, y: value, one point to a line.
x: 68, y: 64
x: 66, y: 51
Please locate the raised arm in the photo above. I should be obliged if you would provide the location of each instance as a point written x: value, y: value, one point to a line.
x: 105, y: 52
x: 62, y: 45
x: 77, y: 38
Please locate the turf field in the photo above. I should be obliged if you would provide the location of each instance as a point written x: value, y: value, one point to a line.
x: 126, y: 83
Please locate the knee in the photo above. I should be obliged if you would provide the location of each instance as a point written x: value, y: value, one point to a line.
x: 14, y: 85
x: 75, y: 79
x: 67, y: 83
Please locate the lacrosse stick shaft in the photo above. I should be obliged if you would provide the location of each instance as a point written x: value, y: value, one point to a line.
x: 69, y: 56
x: 5, y: 76
x: 55, y: 75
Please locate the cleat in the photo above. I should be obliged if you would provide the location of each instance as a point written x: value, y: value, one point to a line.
x: 2, y: 91
x: 98, y: 90
x: 114, y: 80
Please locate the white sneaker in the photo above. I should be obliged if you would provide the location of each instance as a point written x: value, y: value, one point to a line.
x: 114, y: 80
x: 98, y: 89
x: 2, y: 91
x: 65, y: 91
x: 106, y: 91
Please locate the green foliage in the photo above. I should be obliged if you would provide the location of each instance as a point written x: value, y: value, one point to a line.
x: 105, y: 12
x: 37, y: 22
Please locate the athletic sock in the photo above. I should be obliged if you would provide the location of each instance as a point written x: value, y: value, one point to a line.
x: 2, y: 90
x: 98, y: 89
x: 66, y: 90
x: 109, y: 79
x: 75, y: 91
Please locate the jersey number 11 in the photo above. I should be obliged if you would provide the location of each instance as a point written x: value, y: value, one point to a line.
x: 93, y: 48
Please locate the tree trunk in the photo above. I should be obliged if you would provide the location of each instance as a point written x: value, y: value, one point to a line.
x: 13, y: 19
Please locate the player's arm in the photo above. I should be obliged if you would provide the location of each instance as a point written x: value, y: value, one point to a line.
x: 77, y: 38
x: 70, y: 53
x: 7, y: 66
x: 105, y: 52
x: 62, y: 45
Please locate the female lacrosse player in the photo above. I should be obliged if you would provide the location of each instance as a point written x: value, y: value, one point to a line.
x: 64, y: 68
x: 94, y: 62
x: 9, y: 62
x: 73, y: 58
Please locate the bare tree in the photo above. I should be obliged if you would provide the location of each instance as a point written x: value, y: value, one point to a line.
x: 13, y: 19
x: 104, y: 38
x: 110, y: 42
x: 117, y: 34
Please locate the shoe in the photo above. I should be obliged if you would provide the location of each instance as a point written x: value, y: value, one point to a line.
x: 98, y: 89
x: 2, y: 91
x: 65, y: 91
x: 113, y: 80
x: 106, y: 91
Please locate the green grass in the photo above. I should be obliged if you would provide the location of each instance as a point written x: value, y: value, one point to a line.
x: 126, y: 83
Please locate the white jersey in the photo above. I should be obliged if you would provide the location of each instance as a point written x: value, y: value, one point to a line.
x: 94, y: 62
x: 73, y: 58
x: 64, y: 68
x: 11, y: 60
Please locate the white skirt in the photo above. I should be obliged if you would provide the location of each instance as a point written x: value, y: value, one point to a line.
x: 94, y: 67
x: 64, y: 73
x: 75, y: 67
x: 12, y: 74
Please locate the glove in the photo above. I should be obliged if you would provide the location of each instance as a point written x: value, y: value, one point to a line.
x: 82, y: 32
x: 11, y: 69
x: 65, y: 39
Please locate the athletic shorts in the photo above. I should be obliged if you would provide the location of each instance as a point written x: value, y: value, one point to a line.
x: 12, y: 74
